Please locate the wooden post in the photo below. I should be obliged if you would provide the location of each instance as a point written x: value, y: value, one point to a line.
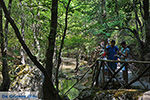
x: 114, y: 75
x: 112, y: 72
x: 136, y: 76
x: 98, y: 71
x: 126, y: 74
x: 95, y: 73
x: 139, y: 76
x: 103, y: 73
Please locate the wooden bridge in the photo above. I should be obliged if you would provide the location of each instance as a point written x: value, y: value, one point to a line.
x: 99, y: 67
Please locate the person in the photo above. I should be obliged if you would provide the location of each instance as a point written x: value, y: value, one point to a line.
x: 111, y: 52
x: 124, y: 53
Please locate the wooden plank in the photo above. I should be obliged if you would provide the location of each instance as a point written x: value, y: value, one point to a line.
x: 103, y: 75
x: 114, y: 75
x: 122, y: 61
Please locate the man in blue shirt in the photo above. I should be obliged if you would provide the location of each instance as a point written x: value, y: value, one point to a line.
x: 111, y: 52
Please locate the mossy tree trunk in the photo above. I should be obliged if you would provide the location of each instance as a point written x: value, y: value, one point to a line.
x: 23, y: 33
x: 6, y: 80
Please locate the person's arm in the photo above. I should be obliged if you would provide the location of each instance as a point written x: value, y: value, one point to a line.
x: 107, y: 50
x: 126, y: 54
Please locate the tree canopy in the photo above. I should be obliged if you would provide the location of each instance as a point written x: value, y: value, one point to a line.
x: 43, y: 32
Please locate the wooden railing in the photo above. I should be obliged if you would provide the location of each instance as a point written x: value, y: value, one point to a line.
x: 100, y: 67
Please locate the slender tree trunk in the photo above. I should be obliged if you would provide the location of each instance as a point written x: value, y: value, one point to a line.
x: 37, y: 43
x: 6, y: 80
x: 146, y: 50
x: 6, y: 25
x: 102, y: 11
x: 61, y: 45
x: 35, y: 27
x: 136, y: 31
x: 136, y: 16
x: 77, y: 61
x: 49, y: 91
x: 147, y: 20
x: 140, y: 43
x: 18, y: 35
x: 49, y: 54
x: 51, y: 38
x: 22, y: 31
x: 116, y: 7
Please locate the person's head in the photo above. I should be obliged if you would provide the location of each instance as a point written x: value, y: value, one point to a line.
x: 113, y: 43
x: 123, y: 44
x: 102, y: 44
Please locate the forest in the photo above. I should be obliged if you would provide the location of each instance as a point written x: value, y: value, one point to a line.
x: 56, y: 47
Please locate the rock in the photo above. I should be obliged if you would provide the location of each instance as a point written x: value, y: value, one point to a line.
x: 86, y: 94
x: 28, y: 78
x: 146, y: 96
x: 147, y: 57
x: 121, y: 94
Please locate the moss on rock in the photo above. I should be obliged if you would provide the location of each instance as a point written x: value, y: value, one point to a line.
x: 121, y: 94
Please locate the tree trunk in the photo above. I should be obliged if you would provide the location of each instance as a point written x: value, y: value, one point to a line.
x: 6, y: 25
x: 37, y: 43
x: 50, y: 52
x: 22, y: 31
x: 35, y: 29
x: 6, y: 80
x: 51, y: 38
x: 49, y: 91
x: 61, y: 46
x: 116, y: 7
x: 102, y: 11
x: 146, y: 50
x: 138, y: 22
x: 77, y: 61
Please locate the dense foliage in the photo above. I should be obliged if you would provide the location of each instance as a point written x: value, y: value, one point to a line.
x: 89, y: 23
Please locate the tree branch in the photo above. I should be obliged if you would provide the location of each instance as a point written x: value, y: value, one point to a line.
x: 135, y: 33
x: 146, y: 9
x: 136, y: 16
x: 17, y: 32
x: 62, y: 44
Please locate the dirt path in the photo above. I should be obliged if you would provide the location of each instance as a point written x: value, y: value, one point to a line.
x: 70, y: 63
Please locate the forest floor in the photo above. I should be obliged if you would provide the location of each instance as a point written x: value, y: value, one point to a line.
x: 70, y: 63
